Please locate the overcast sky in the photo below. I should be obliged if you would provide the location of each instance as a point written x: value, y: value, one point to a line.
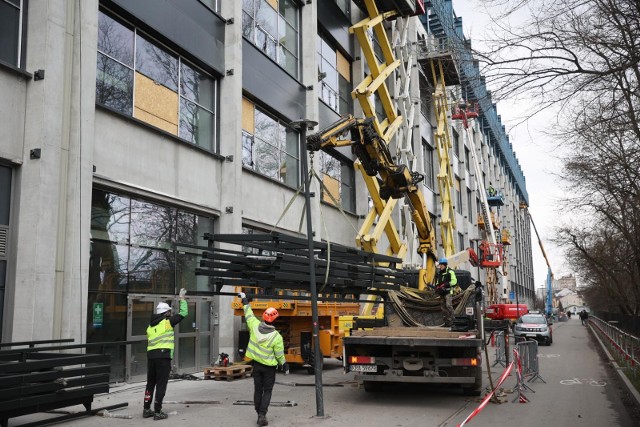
x: 534, y: 150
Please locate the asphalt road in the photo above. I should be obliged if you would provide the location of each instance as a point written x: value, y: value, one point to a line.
x: 580, y: 390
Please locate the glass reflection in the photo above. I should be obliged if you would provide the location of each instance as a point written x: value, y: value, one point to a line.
x: 196, y: 124
x: 156, y: 63
x: 152, y: 225
x: 115, y: 40
x: 109, y: 216
x: 150, y: 271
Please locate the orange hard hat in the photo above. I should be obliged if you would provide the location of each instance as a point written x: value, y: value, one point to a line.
x: 270, y: 315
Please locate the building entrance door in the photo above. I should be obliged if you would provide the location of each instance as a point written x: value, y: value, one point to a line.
x: 193, y: 335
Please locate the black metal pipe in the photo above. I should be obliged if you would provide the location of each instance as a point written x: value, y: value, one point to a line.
x: 303, y: 125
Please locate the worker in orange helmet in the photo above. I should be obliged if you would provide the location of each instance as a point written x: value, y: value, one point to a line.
x: 266, y: 349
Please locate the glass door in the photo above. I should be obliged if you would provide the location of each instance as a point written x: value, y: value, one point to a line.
x: 139, y: 311
x: 194, y: 336
x: 193, y: 339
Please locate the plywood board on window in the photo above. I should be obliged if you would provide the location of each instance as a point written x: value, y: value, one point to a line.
x: 344, y: 68
x: 332, y: 185
x: 156, y: 104
x: 273, y: 3
x: 156, y: 121
x: 248, y: 116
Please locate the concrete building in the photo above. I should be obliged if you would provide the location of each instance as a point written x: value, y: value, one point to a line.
x: 132, y: 128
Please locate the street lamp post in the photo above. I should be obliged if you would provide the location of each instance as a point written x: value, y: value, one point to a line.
x: 303, y: 125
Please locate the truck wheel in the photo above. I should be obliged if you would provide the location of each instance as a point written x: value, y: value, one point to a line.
x: 476, y: 388
x: 371, y: 386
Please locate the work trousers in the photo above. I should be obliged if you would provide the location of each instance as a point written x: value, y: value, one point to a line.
x: 264, y: 377
x: 447, y: 309
x: 158, y: 371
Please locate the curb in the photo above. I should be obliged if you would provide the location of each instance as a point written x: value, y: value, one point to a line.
x: 630, y: 388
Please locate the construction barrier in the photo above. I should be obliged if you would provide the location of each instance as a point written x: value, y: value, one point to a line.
x: 525, y: 359
x: 498, y: 339
x: 488, y: 397
x: 528, y: 351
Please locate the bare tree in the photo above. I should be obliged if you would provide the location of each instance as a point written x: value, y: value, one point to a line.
x: 584, y: 56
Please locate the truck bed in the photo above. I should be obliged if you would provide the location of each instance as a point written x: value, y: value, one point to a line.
x: 414, y: 336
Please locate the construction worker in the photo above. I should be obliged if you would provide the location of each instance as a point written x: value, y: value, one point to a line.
x: 160, y: 353
x: 446, y: 287
x: 266, y: 349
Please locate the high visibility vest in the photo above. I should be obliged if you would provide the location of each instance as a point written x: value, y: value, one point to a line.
x: 160, y: 336
x: 267, y: 349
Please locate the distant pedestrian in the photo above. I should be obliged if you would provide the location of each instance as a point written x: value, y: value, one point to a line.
x: 583, y: 317
x: 266, y: 349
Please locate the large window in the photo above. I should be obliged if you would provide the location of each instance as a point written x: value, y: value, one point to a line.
x: 269, y: 146
x: 334, y: 75
x: 427, y: 158
x: 338, y: 179
x: 458, y: 195
x: 11, y: 31
x: 273, y: 26
x: 139, y: 77
x: 143, y: 247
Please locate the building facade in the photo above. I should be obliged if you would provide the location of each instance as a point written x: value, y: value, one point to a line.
x: 133, y: 128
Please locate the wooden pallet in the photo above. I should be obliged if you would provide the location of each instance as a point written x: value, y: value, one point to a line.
x: 227, y: 373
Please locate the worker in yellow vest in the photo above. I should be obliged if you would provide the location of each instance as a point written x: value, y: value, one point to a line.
x: 266, y: 349
x: 160, y: 353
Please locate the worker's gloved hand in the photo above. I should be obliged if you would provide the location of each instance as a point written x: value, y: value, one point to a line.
x: 285, y: 368
x: 243, y: 297
x: 182, y: 293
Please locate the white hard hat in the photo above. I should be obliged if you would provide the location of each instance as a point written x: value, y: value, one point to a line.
x: 162, y: 308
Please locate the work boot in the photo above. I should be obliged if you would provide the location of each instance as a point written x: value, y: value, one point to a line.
x: 262, y: 420
x: 159, y: 415
x: 147, y: 413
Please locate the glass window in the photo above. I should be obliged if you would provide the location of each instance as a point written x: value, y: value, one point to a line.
x: 458, y: 195
x: 169, y: 93
x: 334, y: 75
x: 427, y: 158
x: 469, y: 205
x: 467, y: 159
x: 338, y: 181
x: 273, y: 149
x: 456, y: 142
x: 211, y: 4
x: 11, y: 22
x: 275, y: 32
x: 156, y: 246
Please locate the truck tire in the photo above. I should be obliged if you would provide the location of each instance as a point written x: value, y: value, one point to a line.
x: 371, y: 386
x: 476, y: 388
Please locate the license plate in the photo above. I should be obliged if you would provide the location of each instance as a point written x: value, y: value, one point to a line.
x: 364, y: 368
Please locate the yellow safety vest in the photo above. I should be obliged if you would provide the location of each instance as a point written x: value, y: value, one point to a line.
x: 267, y: 349
x: 160, y: 336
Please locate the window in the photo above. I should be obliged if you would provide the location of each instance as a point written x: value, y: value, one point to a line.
x: 467, y: 158
x: 273, y: 26
x: 138, y: 77
x: 211, y: 4
x: 427, y: 156
x: 338, y: 179
x: 345, y: 6
x: 469, y: 206
x: 456, y: 142
x: 140, y: 246
x: 334, y: 75
x: 458, y: 196
x: 461, y: 242
x: 268, y: 146
x: 11, y: 31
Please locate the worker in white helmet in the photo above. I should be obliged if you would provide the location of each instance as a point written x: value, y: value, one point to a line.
x: 160, y: 353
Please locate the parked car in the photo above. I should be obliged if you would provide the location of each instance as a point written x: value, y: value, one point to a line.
x: 533, y: 326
